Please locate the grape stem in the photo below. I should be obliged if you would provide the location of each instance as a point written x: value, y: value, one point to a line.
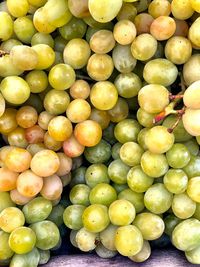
x: 179, y: 114
x: 3, y: 53
x: 83, y: 77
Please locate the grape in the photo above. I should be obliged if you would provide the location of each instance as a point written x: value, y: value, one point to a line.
x: 191, y: 121
x: 186, y: 235
x: 46, y: 56
x: 103, y: 194
x: 17, y: 94
x: 158, y: 199
x: 137, y: 180
x: 60, y: 128
x: 5, y: 250
x: 124, y: 32
x: 37, y: 81
x: 37, y: 210
x: 141, y: 138
x: 26, y: 116
x: 195, y: 5
x: 31, y: 259
x: 131, y: 153
x: 191, y: 70
x: 183, y: 206
x: 45, y: 163
x: 144, y: 47
x: 86, y: 240
x: 127, y: 130
x: 65, y: 164
x: 88, y: 133
x: 150, y: 225
x: 193, y: 255
x: 128, y: 84
x: 100, y: 67
x: 127, y: 11
x: 121, y: 212
x: 193, y: 189
x: 176, y: 181
x: 72, y: 216
x: 162, y: 28
x: 80, y: 89
x: 72, y: 237
x: 44, y: 256
x: 95, y: 218
x: 171, y: 221
x: 76, y: 53
x: 22, y: 240
x: 96, y: 174
x: 79, y: 195
x: 40, y: 21
x: 144, y: 253
x: 37, y: 3
x: 137, y: 199
x: 159, y: 8
x: 7, y: 224
x: 191, y: 95
x: 99, y: 153
x: 104, y: 11
x: 59, y: 43
x: 103, y: 117
x: 7, y: 68
x: 143, y: 22
x: 182, y: 10
x: 102, y: 42
x: 52, y: 188
x: 17, y: 138
x: 160, y: 71
x: 79, y: 8
x: 24, y: 29
x: 145, y: 118
x: 104, y: 253
x: 44, y: 118
x: 178, y: 156
x: 148, y: 99
x: 42, y: 230
x: 72, y: 148
x: 128, y: 240
x: 8, y: 179
x: 7, y: 29
x: 181, y: 28
x: 17, y: 8
x: 117, y: 171
x: 123, y: 60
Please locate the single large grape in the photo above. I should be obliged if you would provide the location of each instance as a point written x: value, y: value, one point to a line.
x: 85, y: 240
x: 193, y: 189
x: 102, y: 41
x: 194, y: 33
x: 117, y: 171
x: 131, y: 153
x: 7, y: 224
x: 183, y: 206
x: 103, y: 194
x: 72, y: 216
x: 176, y: 181
x: 137, y: 199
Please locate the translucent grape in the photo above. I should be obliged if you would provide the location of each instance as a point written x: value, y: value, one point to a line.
x: 124, y: 32
x: 163, y: 27
x: 191, y: 96
x: 191, y: 121
x: 183, y: 206
x: 85, y: 240
x: 182, y: 10
x: 7, y: 30
x: 24, y: 29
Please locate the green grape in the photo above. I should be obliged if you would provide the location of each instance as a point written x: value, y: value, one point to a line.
x: 193, y: 189
x: 35, y: 102
x: 79, y: 8
x: 9, y: 44
x: 40, y: 21
x: 120, y: 111
x: 37, y: 81
x: 192, y: 146
x: 193, y: 255
x: 78, y: 176
x: 72, y: 216
x: 197, y: 211
x: 137, y: 199
x: 17, y: 94
x: 86, y: 241
x: 22, y: 240
x: 107, y: 237
x: 24, y: 29
x: 100, y: 67
x: 37, y: 210
x: 23, y: 57
x: 158, y: 199
x: 176, y: 181
x: 104, y: 253
x: 6, y: 30
x: 159, y: 140
x: 17, y: 8
x: 95, y: 218
x: 5, y: 250
x: 7, y: 224
x: 154, y: 165
x: 124, y: 32
x: 75, y: 28
x: 59, y: 43
x: 171, y: 221
x: 128, y: 240
x: 121, y: 212
x: 148, y: 98
x: 79, y: 194
x: 131, y: 153
x: 127, y: 130
x: 180, y: 134
x: 141, y: 5
x: 42, y: 38
x: 119, y: 187
x: 193, y: 167
x: 191, y: 121
x: 42, y: 230
x: 145, y: 118
x: 96, y: 174
x: 160, y: 71
x: 191, y: 71
x: 30, y: 259
x: 178, y: 156
x: 123, y: 60
x: 186, y: 235
x: 128, y: 84
x: 57, y: 12
x: 103, y: 194
x: 117, y: 171
x: 150, y: 225
x: 105, y: 10
x: 72, y: 238
x: 195, y: 5
x: 182, y: 10
x: 44, y: 256
x: 178, y: 50
x: 127, y: 11
x: 102, y: 41
x: 56, y: 214
x: 144, y: 47
x: 5, y: 201
x: 98, y: 154
x: 144, y: 253
x: 46, y: 56
x: 138, y: 181
x: 141, y: 138
x: 116, y: 150
x: 76, y: 53
x: 61, y: 76
x: 183, y: 206
x: 90, y: 21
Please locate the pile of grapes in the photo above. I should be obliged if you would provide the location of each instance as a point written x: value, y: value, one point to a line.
x: 100, y: 128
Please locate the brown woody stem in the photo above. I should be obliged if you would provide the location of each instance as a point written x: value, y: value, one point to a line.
x: 3, y: 53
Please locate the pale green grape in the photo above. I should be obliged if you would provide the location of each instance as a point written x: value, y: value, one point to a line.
x: 72, y: 216
x: 159, y: 8
x: 24, y: 29
x: 85, y: 240
x: 6, y: 23
x: 176, y: 181
x: 137, y: 199
x: 9, y: 44
x: 124, y: 32
x: 72, y: 238
x: 191, y: 69
x: 40, y: 21
x: 144, y: 253
x: 131, y: 153
x: 7, y: 68
x: 42, y: 38
x: 183, y: 206
x: 37, y: 81
x: 195, y: 5
x: 178, y: 156
x: 107, y: 237
x: 193, y: 255
x: 145, y: 118
x: 191, y: 96
x: 46, y: 56
x: 104, y: 253
x: 30, y: 259
x: 193, y: 189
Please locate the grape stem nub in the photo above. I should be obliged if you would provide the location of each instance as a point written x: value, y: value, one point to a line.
x: 3, y: 53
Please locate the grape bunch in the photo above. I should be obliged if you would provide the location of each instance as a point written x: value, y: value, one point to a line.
x: 100, y: 128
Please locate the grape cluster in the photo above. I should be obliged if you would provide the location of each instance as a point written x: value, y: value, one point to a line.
x: 100, y: 117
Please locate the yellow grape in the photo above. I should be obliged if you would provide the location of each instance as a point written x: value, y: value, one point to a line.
x: 40, y: 21
x: 194, y: 34
x: 195, y: 5
x: 46, y: 56
x: 182, y: 9
x: 159, y: 8
x: 124, y: 32
x: 37, y: 3
x: 191, y: 121
x: 6, y: 29
x: 18, y: 8
x: 192, y: 95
